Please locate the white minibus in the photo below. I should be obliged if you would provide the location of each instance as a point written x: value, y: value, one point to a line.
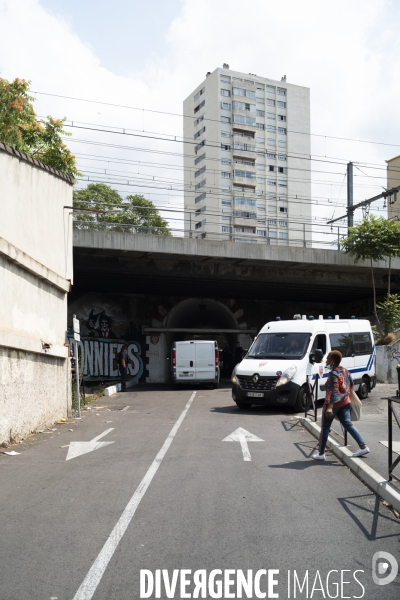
x: 195, y: 361
x: 276, y: 366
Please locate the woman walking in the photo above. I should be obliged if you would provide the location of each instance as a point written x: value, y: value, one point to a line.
x: 337, y: 404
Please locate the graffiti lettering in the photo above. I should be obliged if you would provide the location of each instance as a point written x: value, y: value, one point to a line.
x: 98, y: 358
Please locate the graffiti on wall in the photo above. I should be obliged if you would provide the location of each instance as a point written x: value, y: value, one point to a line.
x: 100, y: 344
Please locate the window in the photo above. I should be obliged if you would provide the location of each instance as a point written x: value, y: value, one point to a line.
x: 282, y: 169
x: 281, y: 104
x: 226, y: 105
x: 271, y: 155
x: 270, y: 102
x: 199, y: 159
x: 246, y: 174
x: 225, y: 119
x: 200, y: 93
x: 225, y: 174
x: 200, y: 185
x: 225, y: 188
x: 281, y: 157
x: 200, y: 224
x: 249, y: 230
x: 199, y: 106
x: 225, y: 93
x: 260, y: 113
x: 260, y: 100
x: 198, y: 146
x: 225, y: 78
x: 270, y: 89
x: 260, y: 206
x: 271, y: 222
x: 242, y: 92
x: 271, y: 142
x: 244, y: 106
x: 226, y: 203
x: 342, y: 342
x: 283, y: 235
x: 260, y: 126
x: 271, y: 128
x: 200, y: 171
x: 244, y: 214
x: 282, y: 130
x: 261, y: 232
x: 260, y: 180
x: 271, y: 182
x: 200, y: 198
x: 261, y: 154
x: 281, y: 91
x: 283, y: 209
x: 281, y: 118
x: 225, y: 147
x: 260, y: 86
x: 282, y: 223
x: 362, y: 343
x: 226, y: 217
x: 242, y: 188
x: 272, y: 234
x: 199, y: 133
x: 282, y: 143
x: 226, y: 229
x: 245, y: 147
x: 226, y: 134
x: 244, y: 120
x: 249, y: 81
x: 282, y: 184
x: 260, y: 140
x: 200, y: 210
x: 319, y: 343
x: 246, y: 241
x: 199, y: 120
x: 271, y: 168
x: 226, y: 161
x: 242, y: 201
x: 238, y: 229
x: 241, y: 161
x: 270, y: 115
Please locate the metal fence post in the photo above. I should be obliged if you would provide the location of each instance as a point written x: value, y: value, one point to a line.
x: 304, y: 235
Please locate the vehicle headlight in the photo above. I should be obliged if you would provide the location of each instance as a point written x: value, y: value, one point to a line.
x: 286, y: 376
x: 234, y: 379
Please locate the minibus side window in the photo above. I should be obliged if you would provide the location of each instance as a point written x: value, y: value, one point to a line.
x: 362, y: 343
x: 342, y: 342
x: 319, y: 343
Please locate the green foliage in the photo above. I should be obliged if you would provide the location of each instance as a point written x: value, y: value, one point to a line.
x: 390, y: 310
x: 20, y: 128
x: 374, y: 238
x: 114, y: 212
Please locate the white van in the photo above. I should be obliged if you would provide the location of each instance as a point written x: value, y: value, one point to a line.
x: 195, y: 361
x: 275, y: 368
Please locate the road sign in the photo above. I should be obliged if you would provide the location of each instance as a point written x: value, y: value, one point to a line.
x: 77, y: 448
x: 242, y: 436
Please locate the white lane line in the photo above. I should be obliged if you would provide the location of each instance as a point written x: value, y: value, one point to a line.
x: 96, y: 572
x: 126, y: 408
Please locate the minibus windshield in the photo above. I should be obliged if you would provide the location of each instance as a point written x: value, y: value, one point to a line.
x: 280, y: 345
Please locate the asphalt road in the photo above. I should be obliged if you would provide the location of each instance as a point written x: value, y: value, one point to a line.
x: 84, y: 528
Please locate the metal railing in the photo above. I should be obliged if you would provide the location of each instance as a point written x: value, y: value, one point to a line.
x: 392, y: 412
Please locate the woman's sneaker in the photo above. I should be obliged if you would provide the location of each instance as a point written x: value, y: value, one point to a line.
x: 361, y: 452
x: 319, y: 457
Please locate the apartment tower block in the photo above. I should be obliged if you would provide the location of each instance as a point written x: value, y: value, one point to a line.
x: 247, y: 159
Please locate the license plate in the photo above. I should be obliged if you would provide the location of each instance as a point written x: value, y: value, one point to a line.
x: 255, y: 394
x: 185, y: 375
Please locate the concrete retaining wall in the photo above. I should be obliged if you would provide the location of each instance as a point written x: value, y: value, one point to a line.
x: 387, y: 359
x: 34, y: 392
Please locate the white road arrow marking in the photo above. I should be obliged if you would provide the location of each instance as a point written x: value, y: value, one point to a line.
x: 243, y: 436
x: 77, y: 448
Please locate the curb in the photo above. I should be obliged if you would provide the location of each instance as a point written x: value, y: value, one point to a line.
x: 376, y: 482
x: 113, y: 389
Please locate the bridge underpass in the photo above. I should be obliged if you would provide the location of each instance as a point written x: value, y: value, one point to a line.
x: 155, y: 289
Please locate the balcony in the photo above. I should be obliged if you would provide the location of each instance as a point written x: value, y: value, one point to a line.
x: 243, y: 128
x: 245, y: 182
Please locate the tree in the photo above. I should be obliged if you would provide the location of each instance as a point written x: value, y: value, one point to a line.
x: 20, y: 128
x: 390, y: 310
x: 107, y: 208
x: 373, y: 239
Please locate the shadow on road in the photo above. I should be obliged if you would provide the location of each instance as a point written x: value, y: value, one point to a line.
x: 372, y: 509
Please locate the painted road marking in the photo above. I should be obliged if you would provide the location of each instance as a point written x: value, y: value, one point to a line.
x: 96, y: 572
x: 126, y: 408
x: 243, y: 436
x: 77, y: 448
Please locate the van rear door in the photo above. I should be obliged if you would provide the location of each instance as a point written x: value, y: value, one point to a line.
x: 205, y: 360
x: 185, y: 361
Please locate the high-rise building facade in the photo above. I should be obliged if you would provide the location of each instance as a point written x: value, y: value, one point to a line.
x: 247, y: 159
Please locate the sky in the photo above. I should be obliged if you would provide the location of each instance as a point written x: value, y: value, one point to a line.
x: 151, y: 55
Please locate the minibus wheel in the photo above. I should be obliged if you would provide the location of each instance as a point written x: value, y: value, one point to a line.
x: 363, y: 390
x: 303, y: 400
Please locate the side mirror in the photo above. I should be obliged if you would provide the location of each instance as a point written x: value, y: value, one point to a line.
x: 316, y: 356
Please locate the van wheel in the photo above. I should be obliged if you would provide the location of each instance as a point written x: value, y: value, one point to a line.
x: 303, y: 400
x: 363, y: 390
x: 243, y: 405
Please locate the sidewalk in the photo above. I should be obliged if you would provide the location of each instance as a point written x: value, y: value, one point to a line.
x: 373, y: 468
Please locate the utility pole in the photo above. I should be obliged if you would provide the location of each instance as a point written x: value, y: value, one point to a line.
x: 350, y: 212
